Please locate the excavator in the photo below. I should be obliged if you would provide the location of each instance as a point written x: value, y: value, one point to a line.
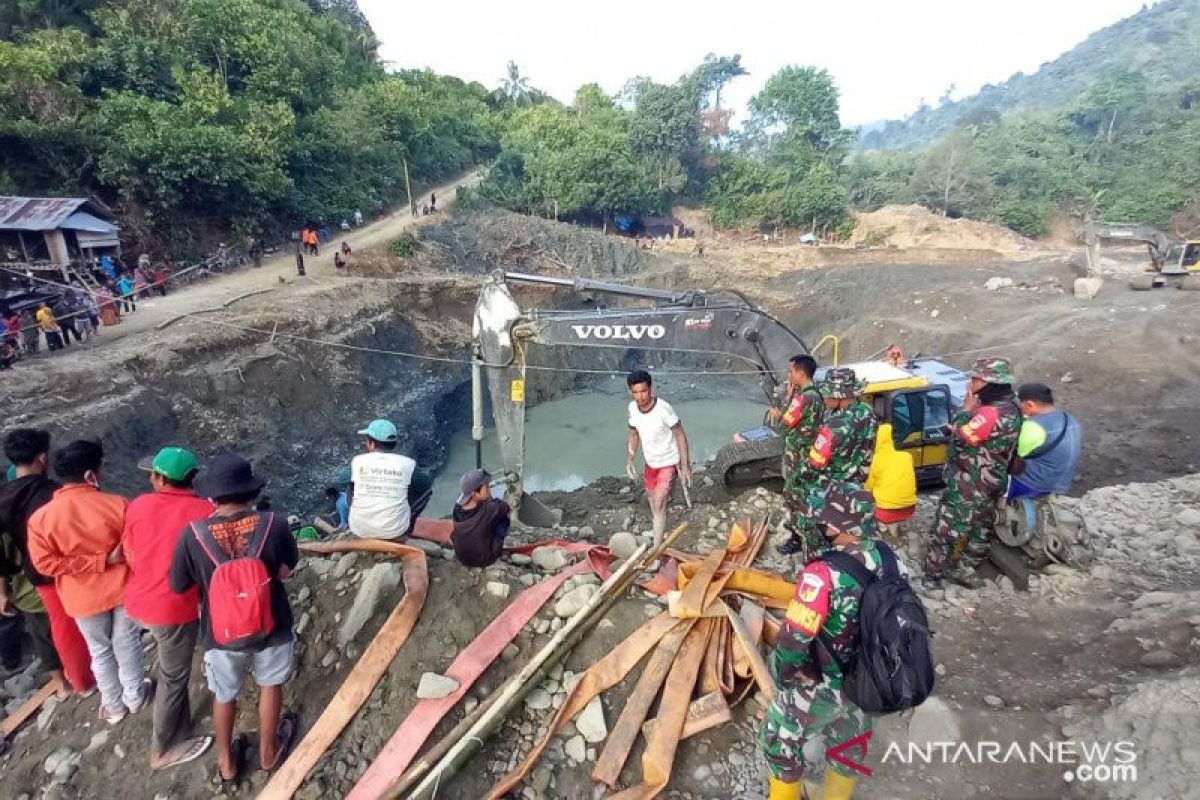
x: 1171, y: 261
x: 918, y: 396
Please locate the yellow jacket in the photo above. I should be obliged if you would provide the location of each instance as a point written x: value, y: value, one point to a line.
x: 892, y: 480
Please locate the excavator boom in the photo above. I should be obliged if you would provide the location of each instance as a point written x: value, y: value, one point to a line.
x: 699, y: 326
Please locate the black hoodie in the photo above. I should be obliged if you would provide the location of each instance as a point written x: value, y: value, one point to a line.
x: 18, y: 500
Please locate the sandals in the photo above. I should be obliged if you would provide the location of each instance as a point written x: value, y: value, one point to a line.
x: 285, y: 737
x: 238, y: 753
x: 183, y: 752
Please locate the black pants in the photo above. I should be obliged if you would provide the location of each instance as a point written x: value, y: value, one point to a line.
x: 415, y: 506
x: 10, y: 641
x: 53, y: 341
x: 38, y: 628
x: 68, y: 328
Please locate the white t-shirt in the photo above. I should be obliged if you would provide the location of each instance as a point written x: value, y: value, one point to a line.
x: 654, y: 430
x: 379, y: 507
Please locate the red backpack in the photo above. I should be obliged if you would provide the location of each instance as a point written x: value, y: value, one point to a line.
x: 239, y: 594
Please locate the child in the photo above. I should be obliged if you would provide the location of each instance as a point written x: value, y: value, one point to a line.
x: 480, y: 521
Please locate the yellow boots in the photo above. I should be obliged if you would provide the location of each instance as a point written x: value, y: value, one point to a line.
x: 785, y: 790
x: 837, y: 787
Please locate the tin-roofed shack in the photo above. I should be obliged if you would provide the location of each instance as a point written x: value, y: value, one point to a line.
x: 62, y: 234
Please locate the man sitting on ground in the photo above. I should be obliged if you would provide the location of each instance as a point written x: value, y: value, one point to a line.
x: 480, y: 521
x: 1049, y: 446
x: 235, y: 532
x: 387, y: 493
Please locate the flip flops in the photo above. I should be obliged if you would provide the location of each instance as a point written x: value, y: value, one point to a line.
x: 183, y: 752
x: 285, y: 737
x: 238, y: 752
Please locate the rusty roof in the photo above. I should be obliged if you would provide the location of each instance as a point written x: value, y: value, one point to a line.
x: 45, y: 213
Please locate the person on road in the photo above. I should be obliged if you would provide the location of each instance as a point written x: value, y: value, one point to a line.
x: 31, y: 332
x: 382, y: 486
x: 432, y: 202
x: 358, y: 218
x: 49, y: 325
x: 845, y: 445
x: 1048, y: 448
x: 55, y: 636
x: 154, y: 523
x: 236, y: 531
x: 983, y: 438
x: 892, y: 482
x: 801, y: 419
x: 809, y: 703
x: 125, y: 292
x: 480, y: 521
x: 76, y: 539
x: 654, y: 426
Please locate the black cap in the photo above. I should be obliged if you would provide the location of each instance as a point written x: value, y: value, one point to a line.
x: 227, y: 474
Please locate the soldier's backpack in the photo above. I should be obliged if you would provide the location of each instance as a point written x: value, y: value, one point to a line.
x: 239, y: 593
x: 892, y: 668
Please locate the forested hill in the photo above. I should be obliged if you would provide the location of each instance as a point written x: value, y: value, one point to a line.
x: 222, y: 117
x: 1161, y: 43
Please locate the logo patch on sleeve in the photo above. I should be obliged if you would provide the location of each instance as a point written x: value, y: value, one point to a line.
x: 810, y: 587
x: 822, y: 448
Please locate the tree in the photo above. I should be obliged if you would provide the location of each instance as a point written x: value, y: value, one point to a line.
x: 515, y: 85
x: 952, y: 175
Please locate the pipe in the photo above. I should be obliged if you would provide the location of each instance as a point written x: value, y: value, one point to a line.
x: 477, y: 406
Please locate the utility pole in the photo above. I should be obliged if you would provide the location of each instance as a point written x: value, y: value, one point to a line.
x: 412, y: 209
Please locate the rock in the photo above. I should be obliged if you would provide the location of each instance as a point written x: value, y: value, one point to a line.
x: 571, y: 602
x: 993, y: 701
x: 1188, y: 517
x: 538, y: 700
x: 702, y: 772
x: 590, y: 722
x: 996, y: 283
x: 622, y: 544
x: 510, y: 652
x: 935, y: 313
x: 576, y: 749
x: 550, y: 559
x: 343, y: 566
x: 541, y: 626
x: 380, y: 580
x: 118, y: 751
x: 61, y: 764
x: 497, y: 589
x: 321, y: 567
x: 527, y: 580
x: 303, y: 595
x: 1087, y: 288
x: 434, y: 686
x: 1160, y: 659
x: 1068, y: 378
x: 47, y: 713
x: 586, y: 532
x: 469, y: 704
x: 520, y: 559
x: 933, y: 721
x: 99, y: 739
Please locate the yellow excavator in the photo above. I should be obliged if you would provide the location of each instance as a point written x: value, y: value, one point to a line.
x: 1172, y: 261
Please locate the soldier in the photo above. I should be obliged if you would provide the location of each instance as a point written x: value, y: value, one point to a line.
x: 801, y: 421
x: 845, y: 445
x: 809, y: 702
x: 982, y: 439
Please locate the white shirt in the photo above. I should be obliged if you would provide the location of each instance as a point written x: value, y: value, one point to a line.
x: 654, y: 430
x: 379, y: 506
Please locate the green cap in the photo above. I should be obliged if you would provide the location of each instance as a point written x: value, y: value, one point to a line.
x: 11, y: 473
x: 171, y: 462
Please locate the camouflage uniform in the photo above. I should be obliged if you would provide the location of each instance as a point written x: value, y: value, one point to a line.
x: 976, y: 472
x: 801, y: 422
x: 810, y: 702
x: 845, y: 446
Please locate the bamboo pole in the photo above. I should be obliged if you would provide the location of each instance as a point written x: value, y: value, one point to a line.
x: 523, y: 682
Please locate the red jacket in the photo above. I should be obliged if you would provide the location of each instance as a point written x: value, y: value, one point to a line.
x: 70, y: 539
x: 153, y: 525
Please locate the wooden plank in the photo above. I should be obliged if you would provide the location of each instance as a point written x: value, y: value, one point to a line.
x: 752, y: 616
x: 27, y: 709
x: 367, y: 671
x: 622, y: 735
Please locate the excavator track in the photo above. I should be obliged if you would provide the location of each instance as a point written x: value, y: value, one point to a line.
x: 740, y: 465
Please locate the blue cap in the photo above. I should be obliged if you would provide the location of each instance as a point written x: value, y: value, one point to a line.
x: 381, y: 430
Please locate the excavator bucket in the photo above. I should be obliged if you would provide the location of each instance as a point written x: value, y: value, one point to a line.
x: 535, y: 514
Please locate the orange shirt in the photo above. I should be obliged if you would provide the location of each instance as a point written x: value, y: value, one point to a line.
x: 70, y: 539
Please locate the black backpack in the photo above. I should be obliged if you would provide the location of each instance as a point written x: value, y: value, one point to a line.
x: 892, y: 668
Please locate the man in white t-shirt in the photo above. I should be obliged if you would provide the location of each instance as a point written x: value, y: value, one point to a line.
x: 379, y: 488
x: 654, y: 425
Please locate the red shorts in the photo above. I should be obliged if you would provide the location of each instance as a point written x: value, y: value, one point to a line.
x: 658, y: 479
x: 888, y: 516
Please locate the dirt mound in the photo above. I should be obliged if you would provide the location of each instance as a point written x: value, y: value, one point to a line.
x: 916, y: 226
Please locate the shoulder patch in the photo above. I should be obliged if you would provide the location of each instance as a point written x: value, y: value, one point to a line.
x: 822, y: 448
x: 980, y: 426
x: 810, y: 603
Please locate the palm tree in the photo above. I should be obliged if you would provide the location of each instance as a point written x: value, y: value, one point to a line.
x: 515, y: 85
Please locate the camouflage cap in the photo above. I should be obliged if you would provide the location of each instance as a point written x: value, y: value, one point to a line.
x: 840, y: 383
x: 849, y: 509
x: 992, y: 370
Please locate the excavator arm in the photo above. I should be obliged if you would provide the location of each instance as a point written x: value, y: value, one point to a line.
x: 1092, y: 233
x: 695, y: 324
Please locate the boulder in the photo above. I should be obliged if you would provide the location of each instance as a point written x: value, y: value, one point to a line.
x: 622, y: 544
x: 497, y: 589
x: 993, y: 284
x: 576, y: 749
x: 590, y: 722
x: 380, y: 580
x: 1087, y: 288
x: 550, y: 559
x: 570, y: 603
x: 434, y: 686
x: 539, y: 699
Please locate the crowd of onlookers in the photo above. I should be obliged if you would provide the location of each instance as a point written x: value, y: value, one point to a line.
x: 199, y: 558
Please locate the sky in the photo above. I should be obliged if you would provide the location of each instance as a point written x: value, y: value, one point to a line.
x: 885, y: 56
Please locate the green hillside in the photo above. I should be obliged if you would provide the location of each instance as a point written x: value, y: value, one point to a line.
x: 1161, y: 43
